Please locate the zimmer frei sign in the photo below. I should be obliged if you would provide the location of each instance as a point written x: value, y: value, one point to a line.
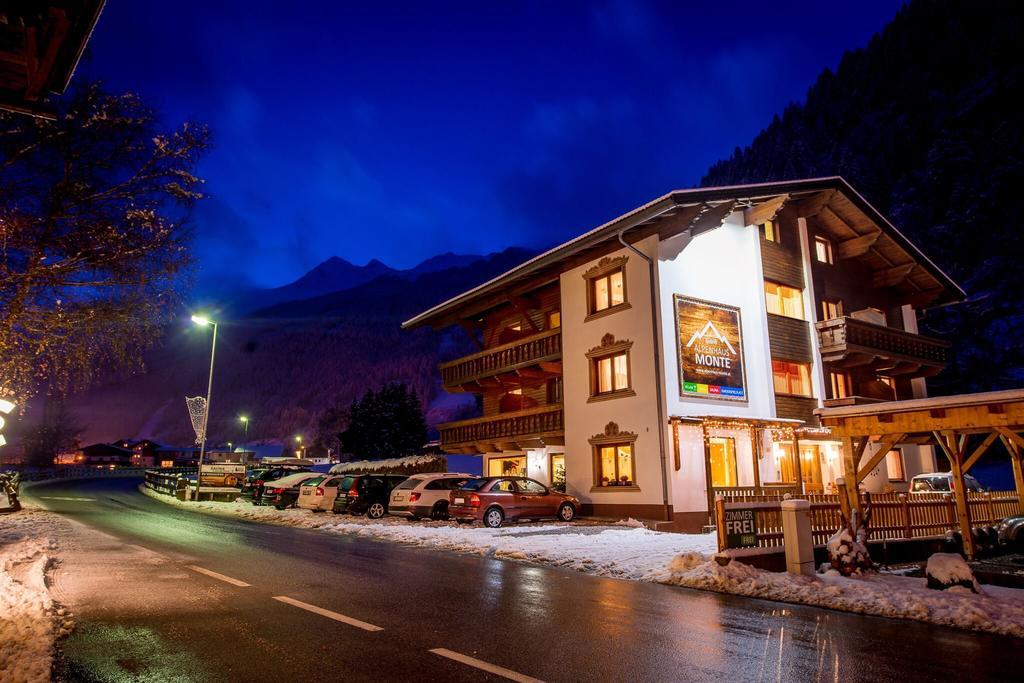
x: 710, y: 346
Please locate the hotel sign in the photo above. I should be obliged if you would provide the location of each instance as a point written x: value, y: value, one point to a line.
x: 710, y: 350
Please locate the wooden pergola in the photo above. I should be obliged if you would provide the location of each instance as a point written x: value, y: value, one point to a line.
x: 963, y: 427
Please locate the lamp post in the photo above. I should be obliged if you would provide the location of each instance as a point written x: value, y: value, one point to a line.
x: 245, y: 421
x: 203, y: 320
x: 298, y: 440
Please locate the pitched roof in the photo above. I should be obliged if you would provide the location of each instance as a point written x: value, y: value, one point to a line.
x: 700, y: 209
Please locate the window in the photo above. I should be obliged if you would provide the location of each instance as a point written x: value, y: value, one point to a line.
x: 611, y: 373
x: 831, y: 309
x: 771, y: 231
x: 792, y: 378
x: 822, y: 250
x: 840, y: 382
x: 607, y: 291
x: 506, y: 467
x: 558, y: 472
x: 530, y: 486
x: 503, y: 486
x: 785, y: 461
x: 166, y: 463
x: 894, y: 465
x: 615, y: 465
x: 722, y: 453
x: 783, y: 300
x: 554, y: 319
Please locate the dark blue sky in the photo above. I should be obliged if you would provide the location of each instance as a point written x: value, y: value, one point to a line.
x: 399, y: 131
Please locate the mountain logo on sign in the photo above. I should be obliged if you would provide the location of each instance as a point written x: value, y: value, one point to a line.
x: 709, y: 330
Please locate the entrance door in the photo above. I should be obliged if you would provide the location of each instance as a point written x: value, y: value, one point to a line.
x: 810, y: 469
x: 723, y: 461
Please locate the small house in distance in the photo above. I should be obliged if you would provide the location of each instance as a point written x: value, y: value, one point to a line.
x: 680, y: 350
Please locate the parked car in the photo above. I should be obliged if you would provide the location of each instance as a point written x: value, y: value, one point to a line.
x: 425, y: 495
x: 493, y: 500
x: 941, y: 482
x: 256, y: 479
x: 282, y: 493
x: 1011, y: 532
x: 366, y: 493
x: 318, y: 494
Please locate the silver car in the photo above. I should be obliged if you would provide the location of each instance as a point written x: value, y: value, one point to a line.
x: 425, y: 495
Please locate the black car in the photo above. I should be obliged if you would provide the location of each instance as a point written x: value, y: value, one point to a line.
x: 284, y: 492
x: 366, y: 494
x: 254, y: 481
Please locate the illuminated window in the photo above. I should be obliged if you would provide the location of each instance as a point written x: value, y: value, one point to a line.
x: 558, y: 472
x: 507, y: 467
x: 887, y: 380
x: 894, y: 465
x: 722, y: 453
x: 554, y: 319
x: 611, y: 373
x: 840, y: 382
x: 771, y: 231
x: 810, y: 468
x: 607, y: 291
x: 615, y: 465
x: 831, y: 309
x: 517, y: 327
x: 791, y: 378
x: 166, y: 463
x: 823, y: 250
x: 785, y: 462
x: 783, y: 300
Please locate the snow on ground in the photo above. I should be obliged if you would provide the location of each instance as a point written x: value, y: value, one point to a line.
x: 29, y: 621
x: 627, y: 550
x: 996, y: 609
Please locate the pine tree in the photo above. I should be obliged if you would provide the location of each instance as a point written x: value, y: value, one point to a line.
x: 385, y: 424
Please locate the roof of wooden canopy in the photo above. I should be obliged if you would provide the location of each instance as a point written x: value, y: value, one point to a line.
x: 830, y: 205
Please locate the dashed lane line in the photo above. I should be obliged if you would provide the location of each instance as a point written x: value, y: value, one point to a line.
x: 79, y: 500
x: 485, y: 666
x: 327, y: 613
x: 220, y: 577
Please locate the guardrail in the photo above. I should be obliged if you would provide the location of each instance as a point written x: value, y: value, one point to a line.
x: 894, y: 516
x: 90, y: 472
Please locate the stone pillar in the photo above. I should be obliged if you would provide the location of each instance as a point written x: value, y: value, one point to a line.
x: 796, y: 533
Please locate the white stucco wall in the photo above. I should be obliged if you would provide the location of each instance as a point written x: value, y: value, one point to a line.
x: 637, y: 413
x: 723, y: 266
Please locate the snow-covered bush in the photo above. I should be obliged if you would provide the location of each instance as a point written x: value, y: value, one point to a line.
x: 848, y: 548
x: 946, y: 570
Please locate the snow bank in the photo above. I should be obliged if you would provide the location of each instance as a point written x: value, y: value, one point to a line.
x: 995, y: 609
x: 29, y: 621
x: 412, y: 464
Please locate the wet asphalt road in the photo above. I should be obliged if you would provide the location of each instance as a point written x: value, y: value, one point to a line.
x: 148, y: 617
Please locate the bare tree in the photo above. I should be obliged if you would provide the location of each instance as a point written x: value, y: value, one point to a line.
x: 93, y: 237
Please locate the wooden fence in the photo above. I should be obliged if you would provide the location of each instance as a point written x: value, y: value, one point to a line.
x: 894, y: 516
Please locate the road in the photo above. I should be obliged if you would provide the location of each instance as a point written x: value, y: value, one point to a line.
x: 161, y: 593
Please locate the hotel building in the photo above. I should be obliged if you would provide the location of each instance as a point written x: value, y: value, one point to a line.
x: 678, y: 352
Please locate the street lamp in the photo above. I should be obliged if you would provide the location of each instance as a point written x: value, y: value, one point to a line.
x: 245, y: 421
x: 298, y: 440
x: 204, y: 321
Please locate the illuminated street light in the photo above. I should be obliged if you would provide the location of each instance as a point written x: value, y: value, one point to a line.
x: 204, y: 321
x: 245, y: 421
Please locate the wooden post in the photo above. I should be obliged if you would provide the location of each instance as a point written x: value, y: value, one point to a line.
x: 707, y: 473
x: 989, y: 508
x: 755, y: 455
x: 1018, y: 469
x: 844, y: 501
x: 905, y: 508
x: 954, y: 451
x: 674, y: 426
x: 720, y: 522
x: 852, y: 451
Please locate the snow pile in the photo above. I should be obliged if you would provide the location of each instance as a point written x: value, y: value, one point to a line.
x: 29, y: 621
x: 946, y: 570
x: 412, y: 464
x: 995, y: 609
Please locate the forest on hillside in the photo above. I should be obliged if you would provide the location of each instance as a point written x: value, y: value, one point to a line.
x: 921, y: 122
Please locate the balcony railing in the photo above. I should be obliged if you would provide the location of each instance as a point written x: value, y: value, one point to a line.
x: 525, y: 428
x: 538, y: 348
x: 843, y: 337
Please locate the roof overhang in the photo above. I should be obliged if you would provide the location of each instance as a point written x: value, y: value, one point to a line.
x: 693, y: 210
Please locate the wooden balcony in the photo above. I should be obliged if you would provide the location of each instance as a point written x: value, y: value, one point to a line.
x: 537, y: 357
x: 849, y: 343
x: 532, y: 428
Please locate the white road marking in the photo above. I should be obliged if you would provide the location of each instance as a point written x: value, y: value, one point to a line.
x: 327, y: 613
x: 215, y: 575
x: 83, y: 500
x: 484, y: 666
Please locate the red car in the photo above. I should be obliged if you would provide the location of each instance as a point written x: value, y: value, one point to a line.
x: 492, y: 500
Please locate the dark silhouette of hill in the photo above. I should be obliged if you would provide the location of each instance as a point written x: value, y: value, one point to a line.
x: 922, y: 122
x: 283, y: 365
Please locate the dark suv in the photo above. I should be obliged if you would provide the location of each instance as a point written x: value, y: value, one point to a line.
x: 253, y: 486
x: 366, y: 493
